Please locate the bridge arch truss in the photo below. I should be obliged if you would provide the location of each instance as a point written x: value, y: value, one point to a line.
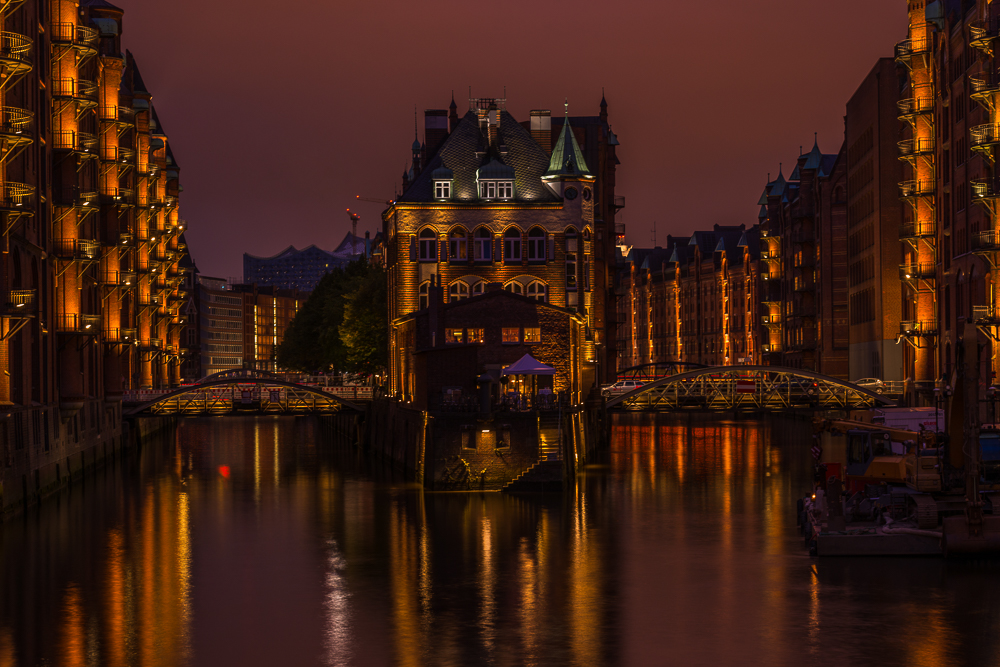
x: 244, y: 393
x: 767, y: 388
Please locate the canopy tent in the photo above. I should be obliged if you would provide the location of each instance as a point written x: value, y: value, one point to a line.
x: 528, y: 365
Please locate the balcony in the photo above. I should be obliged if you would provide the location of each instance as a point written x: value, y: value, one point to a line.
x: 15, y: 124
x: 15, y: 53
x: 912, y: 47
x: 16, y: 196
x: 982, y: 34
x: 82, y: 250
x: 82, y: 91
x: 985, y: 315
x: 76, y: 323
x: 910, y: 189
x: 619, y: 202
x: 70, y: 140
x: 149, y: 300
x: 151, y: 344
x: 772, y: 348
x: 120, y: 336
x: 119, y: 197
x: 984, y: 190
x: 984, y: 137
x: 80, y: 37
x: 918, y: 328
x: 917, y: 230
x: 21, y: 303
x: 985, y: 242
x: 917, y: 272
x: 911, y: 107
x: 804, y: 285
x: 982, y: 86
x: 915, y: 147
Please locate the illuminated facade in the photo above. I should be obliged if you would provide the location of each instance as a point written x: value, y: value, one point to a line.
x: 90, y: 275
x: 490, y: 201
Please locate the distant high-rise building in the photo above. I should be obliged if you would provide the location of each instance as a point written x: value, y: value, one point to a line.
x: 302, y: 269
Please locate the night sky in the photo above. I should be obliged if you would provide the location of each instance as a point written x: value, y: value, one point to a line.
x: 280, y: 113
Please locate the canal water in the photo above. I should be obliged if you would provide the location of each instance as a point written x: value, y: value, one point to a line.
x: 252, y: 542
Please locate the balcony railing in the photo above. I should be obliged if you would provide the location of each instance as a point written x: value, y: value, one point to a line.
x: 771, y: 348
x: 915, y: 106
x: 126, y: 239
x: 121, y: 196
x: 985, y: 315
x: 72, y: 196
x: 14, y: 196
x: 911, y: 47
x: 983, y: 84
x: 918, y: 328
x: 619, y: 202
x: 914, y: 147
x: 916, y: 230
x: 15, y: 51
x: 118, y: 336
x: 80, y: 36
x: 982, y: 34
x: 70, y: 140
x: 83, y: 91
x: 151, y: 343
x: 917, y: 271
x: 916, y: 188
x: 149, y: 300
x: 983, y: 190
x: 16, y: 122
x: 986, y: 241
x: 982, y: 137
x: 22, y: 302
x: 77, y: 323
x: 77, y: 249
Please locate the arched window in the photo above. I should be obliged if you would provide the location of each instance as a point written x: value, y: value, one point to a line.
x: 538, y: 290
x: 571, y: 270
x: 571, y: 239
x: 457, y: 291
x: 478, y: 288
x: 536, y: 245
x: 512, y: 245
x: 483, y: 243
x: 428, y: 246
x: 456, y: 245
x: 424, y: 290
x: 514, y: 286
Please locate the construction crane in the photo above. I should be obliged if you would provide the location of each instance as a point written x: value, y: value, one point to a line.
x: 387, y: 202
x: 354, y: 231
x: 355, y: 216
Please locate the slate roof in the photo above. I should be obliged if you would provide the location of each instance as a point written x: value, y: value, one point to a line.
x: 704, y: 240
x: 458, y: 153
x: 138, y: 85
x: 814, y: 158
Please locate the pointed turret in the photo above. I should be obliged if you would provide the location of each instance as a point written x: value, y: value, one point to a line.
x: 567, y: 158
x: 604, y: 108
x: 452, y: 114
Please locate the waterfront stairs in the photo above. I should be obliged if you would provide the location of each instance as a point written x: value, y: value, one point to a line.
x: 548, y: 474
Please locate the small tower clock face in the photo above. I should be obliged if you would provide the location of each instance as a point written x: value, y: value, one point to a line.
x: 570, y: 193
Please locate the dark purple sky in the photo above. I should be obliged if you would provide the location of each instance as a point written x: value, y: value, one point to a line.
x: 280, y: 113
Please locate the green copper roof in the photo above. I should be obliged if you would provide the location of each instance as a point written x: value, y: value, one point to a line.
x: 567, y: 158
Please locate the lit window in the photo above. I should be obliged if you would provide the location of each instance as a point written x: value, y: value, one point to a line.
x: 532, y: 334
x: 428, y: 246
x: 456, y: 245
x: 511, y: 335
x: 442, y: 189
x: 514, y: 286
x: 496, y: 189
x: 454, y: 336
x: 488, y: 189
x: 476, y: 336
x: 536, y: 245
x: 458, y: 291
x: 478, y: 287
x: 484, y: 241
x: 512, y: 245
x: 537, y: 290
x: 505, y: 189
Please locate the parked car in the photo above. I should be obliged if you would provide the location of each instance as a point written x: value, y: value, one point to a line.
x: 620, y: 387
x: 871, y: 384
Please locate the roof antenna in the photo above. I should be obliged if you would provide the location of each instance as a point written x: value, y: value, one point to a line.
x: 654, y: 221
x: 414, y: 122
x: 566, y: 104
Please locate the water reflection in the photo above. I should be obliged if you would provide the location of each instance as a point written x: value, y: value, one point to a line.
x: 251, y: 542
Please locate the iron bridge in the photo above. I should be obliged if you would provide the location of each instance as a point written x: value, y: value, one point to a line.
x: 752, y: 388
x: 656, y: 370
x: 243, y: 392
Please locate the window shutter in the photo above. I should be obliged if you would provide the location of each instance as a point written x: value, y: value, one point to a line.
x: 499, y: 255
x: 552, y: 248
x: 443, y: 257
x: 413, y: 248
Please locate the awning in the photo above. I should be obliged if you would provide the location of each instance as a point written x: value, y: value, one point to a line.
x: 528, y: 365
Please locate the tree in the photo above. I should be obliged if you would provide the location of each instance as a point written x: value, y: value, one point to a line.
x: 314, y: 340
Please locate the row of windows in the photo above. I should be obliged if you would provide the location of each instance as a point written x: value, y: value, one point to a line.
x: 225, y: 324
x: 231, y: 300
x: 487, y: 189
x: 230, y: 349
x: 460, y: 289
x: 508, y: 335
x: 511, y: 247
x: 226, y: 361
x: 225, y: 312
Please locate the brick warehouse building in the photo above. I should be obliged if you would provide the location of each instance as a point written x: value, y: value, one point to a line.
x: 90, y: 275
x: 486, y: 202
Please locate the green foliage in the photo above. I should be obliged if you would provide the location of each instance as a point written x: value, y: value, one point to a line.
x: 342, y: 326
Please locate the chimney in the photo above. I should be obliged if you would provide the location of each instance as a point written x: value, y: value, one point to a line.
x: 541, y: 128
x: 435, y: 130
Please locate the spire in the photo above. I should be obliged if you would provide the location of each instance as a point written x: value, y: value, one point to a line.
x: 416, y: 141
x: 567, y: 158
x: 604, y: 107
x: 452, y: 113
x: 815, y: 158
